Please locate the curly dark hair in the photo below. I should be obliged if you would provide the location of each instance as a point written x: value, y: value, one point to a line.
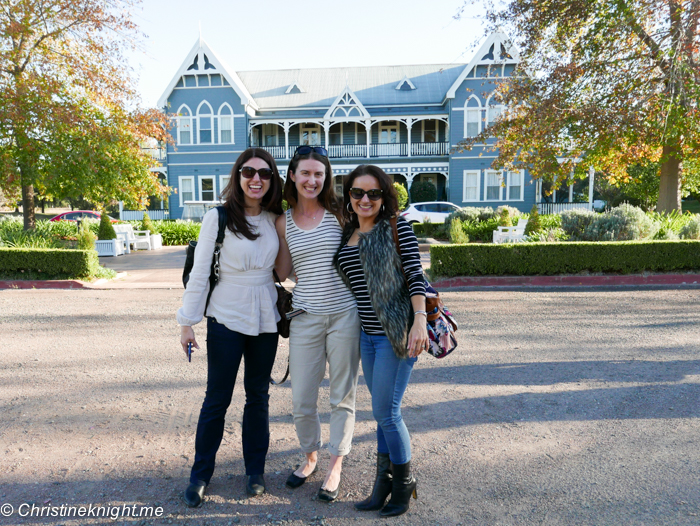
x: 234, y: 198
x: 389, y: 198
x: 327, y: 198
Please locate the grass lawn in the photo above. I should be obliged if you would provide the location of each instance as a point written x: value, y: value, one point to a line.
x: 691, y: 206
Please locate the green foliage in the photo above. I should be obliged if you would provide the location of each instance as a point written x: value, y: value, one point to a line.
x: 670, y: 223
x: 86, y: 238
x: 106, y: 230
x: 550, y: 221
x: 481, y: 230
x: 504, y: 218
x: 624, y: 223
x: 533, y: 222
x: 423, y: 191
x: 402, y: 195
x: 457, y: 234
x: 434, y: 230
x: 49, y: 263
x: 692, y: 229
x: 549, y: 235
x: 524, y: 259
x: 147, y: 224
x: 178, y: 232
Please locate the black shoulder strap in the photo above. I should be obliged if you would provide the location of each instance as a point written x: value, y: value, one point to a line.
x: 214, y: 273
x: 223, y: 219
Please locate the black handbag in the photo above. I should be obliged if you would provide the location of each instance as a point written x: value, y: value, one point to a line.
x: 284, y: 305
x: 214, y: 272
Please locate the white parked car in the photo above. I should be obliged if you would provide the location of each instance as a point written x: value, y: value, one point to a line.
x: 430, y: 212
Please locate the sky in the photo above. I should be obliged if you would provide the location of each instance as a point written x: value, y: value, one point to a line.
x: 274, y: 34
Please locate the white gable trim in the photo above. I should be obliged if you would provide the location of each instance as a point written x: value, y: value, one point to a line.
x: 293, y: 85
x: 495, y: 40
x: 346, y: 95
x: 199, y: 50
x: 407, y: 81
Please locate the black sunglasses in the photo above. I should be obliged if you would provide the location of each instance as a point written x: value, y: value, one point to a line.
x: 305, y: 150
x: 358, y: 193
x: 249, y: 172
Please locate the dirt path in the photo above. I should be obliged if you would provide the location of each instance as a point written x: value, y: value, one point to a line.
x: 566, y: 408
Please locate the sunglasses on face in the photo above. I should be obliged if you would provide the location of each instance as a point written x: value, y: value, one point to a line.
x: 249, y: 172
x: 358, y: 193
x: 304, y: 150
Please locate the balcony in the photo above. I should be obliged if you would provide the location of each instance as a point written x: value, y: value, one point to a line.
x: 430, y: 148
x: 277, y: 152
x: 157, y: 153
x: 359, y: 151
x: 347, y: 150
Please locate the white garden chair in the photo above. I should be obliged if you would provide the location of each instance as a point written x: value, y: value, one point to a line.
x: 510, y: 234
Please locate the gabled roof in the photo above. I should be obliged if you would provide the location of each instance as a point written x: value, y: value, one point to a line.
x: 405, y: 84
x: 373, y: 86
x: 294, y: 87
x: 201, y: 59
x: 497, y: 49
x: 347, y: 106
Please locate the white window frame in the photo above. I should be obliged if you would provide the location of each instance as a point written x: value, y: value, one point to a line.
x: 223, y: 181
x: 500, y: 185
x: 437, y: 129
x: 472, y: 109
x: 179, y: 185
x: 224, y: 116
x: 388, y: 128
x: 490, y: 107
x: 464, y: 185
x: 180, y: 118
x: 211, y: 116
x: 310, y: 127
x: 521, y: 175
x: 201, y: 179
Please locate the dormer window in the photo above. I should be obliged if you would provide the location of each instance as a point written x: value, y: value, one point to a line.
x: 294, y: 88
x: 405, y: 85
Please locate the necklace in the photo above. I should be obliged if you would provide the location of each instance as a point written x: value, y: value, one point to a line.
x: 311, y: 217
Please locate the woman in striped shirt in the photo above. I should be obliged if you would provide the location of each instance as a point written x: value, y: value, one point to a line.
x: 329, y: 328
x: 390, y: 291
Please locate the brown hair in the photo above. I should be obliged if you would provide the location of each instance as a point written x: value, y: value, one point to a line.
x: 327, y: 198
x: 235, y: 198
x: 389, y: 197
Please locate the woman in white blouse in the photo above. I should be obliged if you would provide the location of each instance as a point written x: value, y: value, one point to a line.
x: 241, y: 317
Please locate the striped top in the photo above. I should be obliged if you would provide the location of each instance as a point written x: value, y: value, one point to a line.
x: 349, y: 261
x: 319, y: 288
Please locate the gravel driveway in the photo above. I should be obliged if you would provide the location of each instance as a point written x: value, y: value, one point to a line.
x: 558, y: 408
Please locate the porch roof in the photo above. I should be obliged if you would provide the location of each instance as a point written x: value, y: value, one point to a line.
x: 373, y: 86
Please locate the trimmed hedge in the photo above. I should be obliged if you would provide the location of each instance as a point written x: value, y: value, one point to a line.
x: 527, y: 259
x: 429, y: 229
x: 50, y: 262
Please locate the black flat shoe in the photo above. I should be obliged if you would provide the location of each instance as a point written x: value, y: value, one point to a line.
x: 194, y: 494
x: 327, y: 495
x: 255, y: 485
x: 294, y: 482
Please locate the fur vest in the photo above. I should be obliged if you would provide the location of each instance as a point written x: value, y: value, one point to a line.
x: 388, y: 291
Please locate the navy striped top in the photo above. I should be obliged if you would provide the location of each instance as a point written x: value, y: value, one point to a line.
x: 349, y: 261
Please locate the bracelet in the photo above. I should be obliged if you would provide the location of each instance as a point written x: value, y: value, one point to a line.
x: 420, y: 312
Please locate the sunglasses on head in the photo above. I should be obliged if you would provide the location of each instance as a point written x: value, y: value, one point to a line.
x: 305, y: 150
x: 249, y: 172
x: 358, y: 193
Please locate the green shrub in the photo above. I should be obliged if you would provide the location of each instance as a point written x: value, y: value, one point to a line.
x: 575, y: 222
x: 673, y: 221
x: 435, y: 230
x: 533, y: 221
x: 456, y: 233
x: 178, y: 232
x: 550, y: 221
x: 624, y: 223
x: 49, y: 263
x: 692, y: 229
x: 522, y: 259
x: 402, y: 195
x: 423, y: 191
x: 147, y: 224
x: 106, y: 230
x: 504, y: 218
x: 549, y: 235
x: 86, y: 238
x: 480, y: 230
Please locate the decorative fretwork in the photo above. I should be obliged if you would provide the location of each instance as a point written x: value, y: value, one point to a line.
x: 195, y: 64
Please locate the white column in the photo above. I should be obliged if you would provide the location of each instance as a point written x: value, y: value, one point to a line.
x: 368, y: 127
x: 286, y: 126
x: 409, y: 125
x: 409, y: 181
x: 591, y: 177
x: 326, y: 128
x: 571, y: 187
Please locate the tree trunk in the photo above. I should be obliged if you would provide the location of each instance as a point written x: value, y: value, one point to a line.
x: 670, y: 183
x: 28, y: 207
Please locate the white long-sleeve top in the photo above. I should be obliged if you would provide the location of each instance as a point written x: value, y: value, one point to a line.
x: 245, y: 298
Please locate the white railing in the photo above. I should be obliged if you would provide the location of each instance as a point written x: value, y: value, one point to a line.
x: 347, y: 150
x: 157, y: 153
x: 558, y: 208
x: 277, y: 152
x: 137, y: 215
x: 388, y: 150
x: 430, y: 148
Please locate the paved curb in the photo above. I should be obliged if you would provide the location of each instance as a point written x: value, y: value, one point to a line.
x: 629, y: 280
x: 43, y: 284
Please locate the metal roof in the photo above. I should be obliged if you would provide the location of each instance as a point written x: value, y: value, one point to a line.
x: 373, y: 85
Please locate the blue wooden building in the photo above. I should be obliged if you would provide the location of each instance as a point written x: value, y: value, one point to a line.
x: 406, y: 119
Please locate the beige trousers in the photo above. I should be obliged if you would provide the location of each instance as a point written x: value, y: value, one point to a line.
x: 314, y: 340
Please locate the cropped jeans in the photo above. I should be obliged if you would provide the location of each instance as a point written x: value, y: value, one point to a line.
x: 387, y: 377
x: 225, y: 348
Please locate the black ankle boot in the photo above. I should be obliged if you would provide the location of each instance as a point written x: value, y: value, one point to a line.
x: 403, y: 486
x: 382, y: 486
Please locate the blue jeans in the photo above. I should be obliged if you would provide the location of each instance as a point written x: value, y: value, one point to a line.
x: 225, y: 348
x: 387, y: 377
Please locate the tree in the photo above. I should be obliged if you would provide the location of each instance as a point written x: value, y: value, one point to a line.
x: 422, y: 191
x: 402, y: 195
x: 70, y: 120
x: 614, y: 80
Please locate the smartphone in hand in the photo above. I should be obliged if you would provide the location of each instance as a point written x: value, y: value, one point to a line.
x: 189, y: 351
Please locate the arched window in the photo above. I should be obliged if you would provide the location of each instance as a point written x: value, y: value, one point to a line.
x: 225, y: 124
x: 204, y: 123
x: 472, y: 117
x: 184, y: 125
x: 494, y: 109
